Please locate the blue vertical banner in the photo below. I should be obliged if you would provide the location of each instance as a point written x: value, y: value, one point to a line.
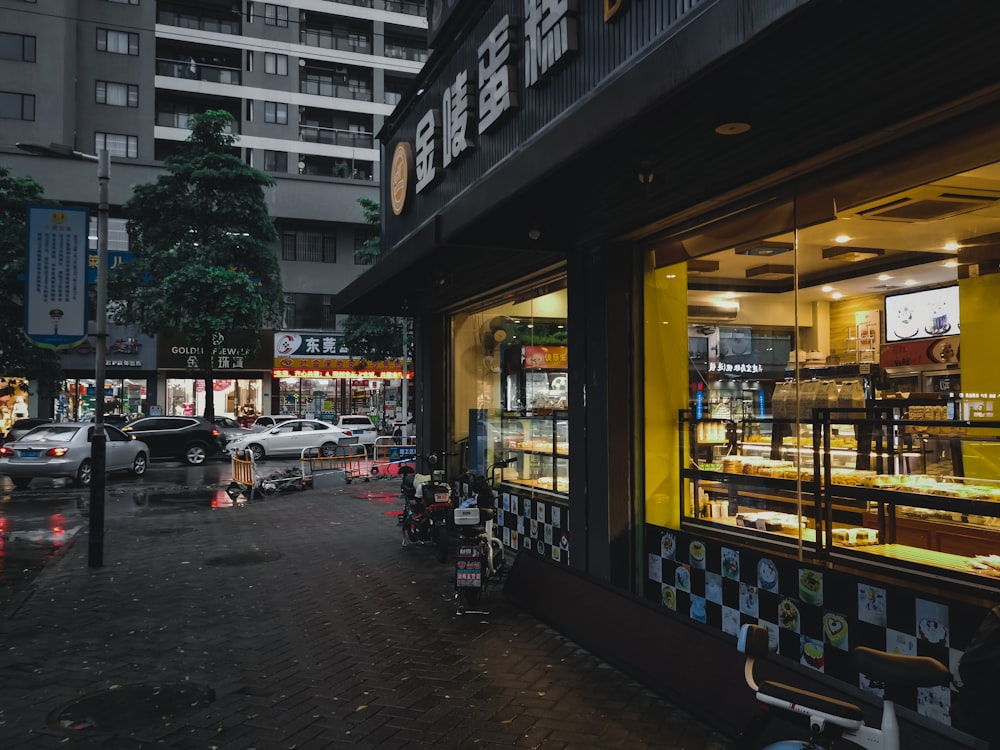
x: 55, y: 308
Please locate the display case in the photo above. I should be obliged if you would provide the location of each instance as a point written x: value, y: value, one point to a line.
x: 811, y: 491
x: 539, y: 445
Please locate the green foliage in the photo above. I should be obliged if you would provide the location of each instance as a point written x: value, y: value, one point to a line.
x: 371, y: 337
x: 371, y: 250
x: 203, y: 245
x: 19, y: 358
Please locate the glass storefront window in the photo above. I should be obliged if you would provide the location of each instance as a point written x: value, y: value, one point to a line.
x: 14, y: 401
x: 844, y: 369
x: 241, y: 399
x: 124, y: 396
x: 511, y: 367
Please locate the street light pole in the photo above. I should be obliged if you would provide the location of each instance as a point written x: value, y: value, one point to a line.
x: 98, y: 446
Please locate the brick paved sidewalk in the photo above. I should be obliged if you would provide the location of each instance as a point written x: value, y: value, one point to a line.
x: 298, y: 621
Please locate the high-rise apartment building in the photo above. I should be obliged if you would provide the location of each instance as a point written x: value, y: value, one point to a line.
x: 308, y: 83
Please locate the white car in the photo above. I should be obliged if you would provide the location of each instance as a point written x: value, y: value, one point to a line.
x: 360, y: 425
x: 290, y: 437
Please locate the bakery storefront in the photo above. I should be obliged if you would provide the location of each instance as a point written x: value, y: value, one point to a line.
x: 777, y: 401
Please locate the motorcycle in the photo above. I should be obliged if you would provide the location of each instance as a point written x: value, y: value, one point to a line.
x: 427, y: 501
x: 480, y: 554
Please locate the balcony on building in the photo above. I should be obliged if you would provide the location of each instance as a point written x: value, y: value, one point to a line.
x: 335, y: 128
x: 206, y: 15
x: 332, y: 166
x: 335, y: 80
x: 198, y: 62
x: 328, y: 32
x: 404, y: 45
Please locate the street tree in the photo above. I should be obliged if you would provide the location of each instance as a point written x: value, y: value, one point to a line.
x: 19, y: 356
x: 204, y: 266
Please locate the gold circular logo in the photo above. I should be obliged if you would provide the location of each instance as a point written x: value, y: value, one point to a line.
x: 399, y: 178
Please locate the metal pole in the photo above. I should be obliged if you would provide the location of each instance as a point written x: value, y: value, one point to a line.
x: 98, y: 454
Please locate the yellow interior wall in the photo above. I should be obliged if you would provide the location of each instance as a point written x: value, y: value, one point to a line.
x: 665, y: 344
x: 980, y: 364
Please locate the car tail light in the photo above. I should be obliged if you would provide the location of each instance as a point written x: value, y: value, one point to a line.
x: 57, y: 452
x: 5, y: 451
x: 348, y: 433
x: 215, y: 432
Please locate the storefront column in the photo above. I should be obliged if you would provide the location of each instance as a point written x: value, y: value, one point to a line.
x: 431, y: 400
x: 600, y: 387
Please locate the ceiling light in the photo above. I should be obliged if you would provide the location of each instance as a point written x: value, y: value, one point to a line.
x: 851, y: 254
x: 951, y: 264
x: 770, y: 271
x: 702, y: 266
x: 736, y: 127
x: 842, y: 238
x: 910, y: 282
x: 764, y: 249
x: 951, y: 246
x: 826, y: 288
x: 884, y: 277
x: 836, y: 295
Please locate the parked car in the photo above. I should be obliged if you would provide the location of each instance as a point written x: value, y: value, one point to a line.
x: 290, y: 437
x: 360, y: 425
x: 63, y: 450
x: 265, y: 423
x: 230, y: 428
x: 22, y: 427
x: 190, y: 439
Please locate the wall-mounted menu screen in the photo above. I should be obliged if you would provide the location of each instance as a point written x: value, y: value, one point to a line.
x: 922, y: 315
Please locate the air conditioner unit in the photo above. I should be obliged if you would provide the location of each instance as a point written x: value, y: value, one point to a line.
x: 712, y: 312
x: 926, y: 203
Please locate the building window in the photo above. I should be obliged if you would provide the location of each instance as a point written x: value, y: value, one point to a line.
x: 275, y: 15
x: 314, y: 247
x: 123, y: 146
x: 118, y: 42
x: 125, y: 2
x: 17, y: 106
x: 309, y: 312
x: 275, y: 64
x: 276, y: 112
x: 275, y: 161
x: 17, y: 47
x: 117, y: 94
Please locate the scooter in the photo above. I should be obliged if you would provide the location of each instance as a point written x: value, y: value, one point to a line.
x: 427, y: 501
x: 480, y: 554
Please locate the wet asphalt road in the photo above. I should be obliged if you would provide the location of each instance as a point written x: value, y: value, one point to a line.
x: 39, y: 523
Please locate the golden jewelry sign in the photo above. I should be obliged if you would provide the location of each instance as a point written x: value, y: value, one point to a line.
x: 399, y: 178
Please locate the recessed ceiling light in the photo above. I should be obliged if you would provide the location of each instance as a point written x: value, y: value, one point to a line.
x: 826, y: 288
x: 842, y: 238
x: 951, y: 246
x: 671, y: 275
x: 909, y: 282
x: 836, y: 295
x: 884, y: 277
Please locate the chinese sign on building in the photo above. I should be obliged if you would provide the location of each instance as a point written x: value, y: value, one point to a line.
x: 55, y: 307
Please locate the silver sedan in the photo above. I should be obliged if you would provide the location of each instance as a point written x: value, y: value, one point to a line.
x: 63, y: 450
x: 290, y: 437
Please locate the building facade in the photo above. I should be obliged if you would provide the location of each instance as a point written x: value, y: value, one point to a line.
x: 717, y: 277
x: 309, y: 84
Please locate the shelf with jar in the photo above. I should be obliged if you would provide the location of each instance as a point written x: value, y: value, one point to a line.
x: 540, y: 446
x: 892, y: 510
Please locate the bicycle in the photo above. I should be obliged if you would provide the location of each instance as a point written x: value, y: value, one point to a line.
x: 830, y: 719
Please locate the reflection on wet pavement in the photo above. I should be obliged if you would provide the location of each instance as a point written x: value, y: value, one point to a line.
x: 38, y: 523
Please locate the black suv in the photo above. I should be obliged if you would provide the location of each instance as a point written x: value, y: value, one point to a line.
x: 190, y: 439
